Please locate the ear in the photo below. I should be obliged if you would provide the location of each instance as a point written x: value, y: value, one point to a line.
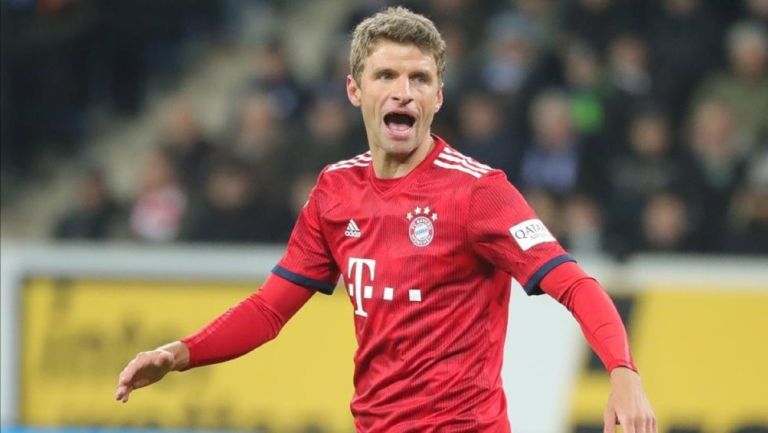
x: 439, y: 102
x: 353, y: 91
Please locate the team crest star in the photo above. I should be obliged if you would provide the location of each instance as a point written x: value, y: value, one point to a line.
x: 409, y: 216
x: 426, y: 210
x: 418, y: 210
x: 434, y: 216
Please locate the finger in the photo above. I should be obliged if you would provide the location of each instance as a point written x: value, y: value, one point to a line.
x: 639, y: 423
x: 127, y: 377
x: 122, y: 393
x: 627, y: 425
x: 609, y: 421
x: 651, y: 424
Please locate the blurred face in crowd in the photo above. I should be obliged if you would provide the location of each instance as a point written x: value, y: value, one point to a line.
x: 92, y: 191
x: 158, y: 173
x: 628, y: 53
x: 759, y: 8
x: 665, y: 221
x: 582, y: 216
x: 229, y: 189
x: 650, y: 136
x: 749, y: 53
x: 398, y: 93
x: 552, y: 122
x: 326, y: 120
x: 582, y: 69
x: 479, y: 116
x: 713, y: 132
x: 258, y: 126
x: 181, y: 126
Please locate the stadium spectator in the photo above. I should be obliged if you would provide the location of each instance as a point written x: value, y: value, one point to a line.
x: 598, y: 22
x: 750, y: 210
x: 95, y: 214
x: 744, y: 87
x: 260, y: 140
x: 160, y: 205
x: 582, y: 225
x: 485, y: 136
x: 510, y: 68
x: 230, y: 213
x: 552, y: 160
x: 274, y: 78
x: 182, y: 140
x: 540, y: 17
x: 714, y: 171
x: 583, y: 78
x: 648, y: 168
x: 685, y: 43
x: 629, y: 87
x: 665, y: 225
x: 329, y: 134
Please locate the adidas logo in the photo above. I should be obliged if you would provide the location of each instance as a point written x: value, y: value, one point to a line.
x: 353, y: 231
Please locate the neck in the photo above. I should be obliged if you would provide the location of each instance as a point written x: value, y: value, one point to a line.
x: 392, y: 166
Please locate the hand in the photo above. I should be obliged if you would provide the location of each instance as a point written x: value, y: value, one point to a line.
x: 628, y: 404
x: 149, y: 367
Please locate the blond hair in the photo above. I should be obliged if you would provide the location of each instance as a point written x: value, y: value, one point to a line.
x: 396, y: 24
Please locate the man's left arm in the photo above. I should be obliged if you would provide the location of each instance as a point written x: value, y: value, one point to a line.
x: 601, y: 324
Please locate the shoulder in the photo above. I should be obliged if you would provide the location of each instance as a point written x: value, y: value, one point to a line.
x: 349, y: 167
x: 338, y: 175
x: 452, y: 163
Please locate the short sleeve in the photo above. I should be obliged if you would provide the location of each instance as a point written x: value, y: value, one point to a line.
x: 505, y: 231
x: 308, y: 260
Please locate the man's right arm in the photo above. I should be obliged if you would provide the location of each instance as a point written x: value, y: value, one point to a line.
x: 248, y: 325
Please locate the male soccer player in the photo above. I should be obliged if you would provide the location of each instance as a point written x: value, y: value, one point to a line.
x: 426, y: 240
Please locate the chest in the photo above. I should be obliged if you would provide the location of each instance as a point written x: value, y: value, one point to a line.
x: 398, y: 247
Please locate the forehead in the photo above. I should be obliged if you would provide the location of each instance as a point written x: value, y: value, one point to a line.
x: 389, y: 54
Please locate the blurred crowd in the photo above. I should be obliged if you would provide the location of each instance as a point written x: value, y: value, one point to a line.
x: 630, y: 126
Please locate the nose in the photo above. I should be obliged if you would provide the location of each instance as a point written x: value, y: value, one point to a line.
x: 402, y: 92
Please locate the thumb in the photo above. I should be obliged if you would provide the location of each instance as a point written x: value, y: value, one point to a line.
x: 609, y: 419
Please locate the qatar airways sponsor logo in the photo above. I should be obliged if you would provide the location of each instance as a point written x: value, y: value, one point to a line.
x: 530, y: 233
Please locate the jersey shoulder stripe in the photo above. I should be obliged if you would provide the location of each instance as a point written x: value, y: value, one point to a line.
x: 454, y: 160
x: 362, y: 160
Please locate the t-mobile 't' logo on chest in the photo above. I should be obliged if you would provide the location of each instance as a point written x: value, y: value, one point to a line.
x: 360, y: 270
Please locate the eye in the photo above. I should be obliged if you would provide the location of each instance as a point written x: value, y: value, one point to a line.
x: 385, y: 75
x: 420, y: 78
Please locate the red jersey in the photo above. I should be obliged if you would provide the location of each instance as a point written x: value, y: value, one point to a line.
x: 426, y: 260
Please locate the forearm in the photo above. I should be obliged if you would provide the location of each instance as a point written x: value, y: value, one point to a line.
x: 601, y: 324
x: 253, y: 322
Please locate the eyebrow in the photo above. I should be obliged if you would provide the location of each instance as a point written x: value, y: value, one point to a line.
x: 383, y: 70
x: 421, y: 74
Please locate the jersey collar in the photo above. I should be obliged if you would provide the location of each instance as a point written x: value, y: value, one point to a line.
x: 388, y: 187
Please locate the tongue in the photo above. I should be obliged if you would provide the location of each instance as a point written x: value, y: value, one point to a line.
x: 399, y: 127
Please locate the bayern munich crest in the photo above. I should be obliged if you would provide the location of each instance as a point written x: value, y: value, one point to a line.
x: 422, y: 227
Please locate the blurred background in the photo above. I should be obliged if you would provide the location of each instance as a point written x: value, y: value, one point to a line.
x: 155, y: 155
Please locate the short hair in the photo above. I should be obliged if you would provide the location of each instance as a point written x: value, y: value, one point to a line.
x: 396, y: 24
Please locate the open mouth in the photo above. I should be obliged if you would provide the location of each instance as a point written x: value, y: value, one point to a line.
x: 399, y: 124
